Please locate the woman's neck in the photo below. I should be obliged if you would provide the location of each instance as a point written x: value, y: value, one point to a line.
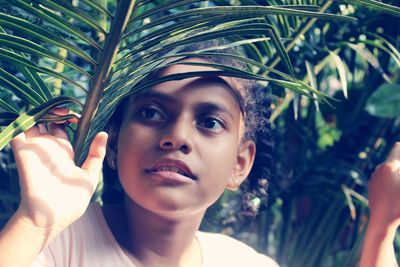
x: 156, y: 240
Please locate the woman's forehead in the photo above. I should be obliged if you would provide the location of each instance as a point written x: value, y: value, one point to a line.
x: 203, y: 88
x: 236, y: 88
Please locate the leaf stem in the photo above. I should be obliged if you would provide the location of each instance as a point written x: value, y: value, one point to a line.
x: 102, y: 72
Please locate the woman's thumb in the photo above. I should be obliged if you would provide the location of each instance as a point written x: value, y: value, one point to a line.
x: 97, y: 151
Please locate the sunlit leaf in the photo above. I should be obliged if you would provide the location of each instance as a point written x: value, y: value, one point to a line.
x: 385, y: 101
x: 313, y: 80
x: 28, y: 119
x: 341, y: 71
x: 366, y: 54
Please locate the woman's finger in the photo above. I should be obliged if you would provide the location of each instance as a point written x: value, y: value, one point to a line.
x: 18, y: 140
x: 394, y: 154
x: 42, y: 128
x: 58, y: 112
x: 94, y: 160
x: 21, y: 138
x: 57, y: 130
x: 32, y: 132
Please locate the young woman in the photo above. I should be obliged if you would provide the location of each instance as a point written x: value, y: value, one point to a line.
x: 176, y: 148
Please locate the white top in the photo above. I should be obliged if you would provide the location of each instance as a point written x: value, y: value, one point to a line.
x: 90, y: 242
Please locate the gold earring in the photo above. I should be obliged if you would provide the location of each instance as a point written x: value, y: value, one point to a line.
x: 235, y: 185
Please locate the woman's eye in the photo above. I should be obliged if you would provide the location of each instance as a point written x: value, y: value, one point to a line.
x: 212, y: 124
x: 151, y: 113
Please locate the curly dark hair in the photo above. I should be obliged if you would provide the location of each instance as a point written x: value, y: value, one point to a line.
x: 257, y: 111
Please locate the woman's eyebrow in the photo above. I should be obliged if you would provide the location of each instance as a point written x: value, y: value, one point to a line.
x: 210, y: 107
x: 158, y: 95
x: 213, y: 79
x: 219, y: 80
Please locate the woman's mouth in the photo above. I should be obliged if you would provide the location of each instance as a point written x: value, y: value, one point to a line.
x: 169, y: 167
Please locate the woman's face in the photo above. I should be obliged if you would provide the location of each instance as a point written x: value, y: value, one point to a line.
x: 179, y: 144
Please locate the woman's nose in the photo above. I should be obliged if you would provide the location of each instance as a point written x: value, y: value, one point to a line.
x: 177, y: 136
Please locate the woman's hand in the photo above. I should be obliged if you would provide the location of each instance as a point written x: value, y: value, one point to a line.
x: 54, y: 191
x: 384, y: 190
x: 384, y: 203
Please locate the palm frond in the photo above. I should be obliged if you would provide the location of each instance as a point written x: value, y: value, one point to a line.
x: 30, y: 118
x: 111, y: 48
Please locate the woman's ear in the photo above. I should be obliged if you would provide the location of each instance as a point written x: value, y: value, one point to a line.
x: 112, y: 145
x: 244, y: 162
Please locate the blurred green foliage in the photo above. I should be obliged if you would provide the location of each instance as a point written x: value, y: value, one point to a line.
x: 325, y: 154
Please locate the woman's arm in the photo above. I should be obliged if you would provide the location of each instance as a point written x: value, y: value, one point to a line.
x: 384, y: 202
x: 378, y: 247
x: 54, y: 191
x: 21, y: 242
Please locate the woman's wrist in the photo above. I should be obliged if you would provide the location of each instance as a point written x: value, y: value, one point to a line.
x: 21, y: 240
x: 378, y: 249
x: 382, y: 229
x: 25, y: 225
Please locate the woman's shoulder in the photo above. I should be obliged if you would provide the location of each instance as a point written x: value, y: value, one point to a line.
x: 222, y: 250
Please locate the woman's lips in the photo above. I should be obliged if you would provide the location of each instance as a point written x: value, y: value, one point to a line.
x: 171, y: 168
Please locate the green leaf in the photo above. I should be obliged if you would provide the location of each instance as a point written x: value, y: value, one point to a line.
x: 58, y: 22
x: 65, y: 7
x: 179, y: 28
x: 280, y: 49
x: 10, y: 107
x: 20, y: 89
x: 230, y: 12
x: 36, y: 82
x: 385, y: 101
x: 223, y: 31
x: 341, y: 71
x: 392, y: 51
x: 252, y: 11
x: 22, y: 61
x: 36, y: 32
x: 292, y: 83
x: 22, y: 45
x: 167, y: 5
x: 96, y: 6
x: 391, y: 47
x: 30, y: 118
x: 366, y: 54
x: 313, y: 81
x: 33, y: 78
